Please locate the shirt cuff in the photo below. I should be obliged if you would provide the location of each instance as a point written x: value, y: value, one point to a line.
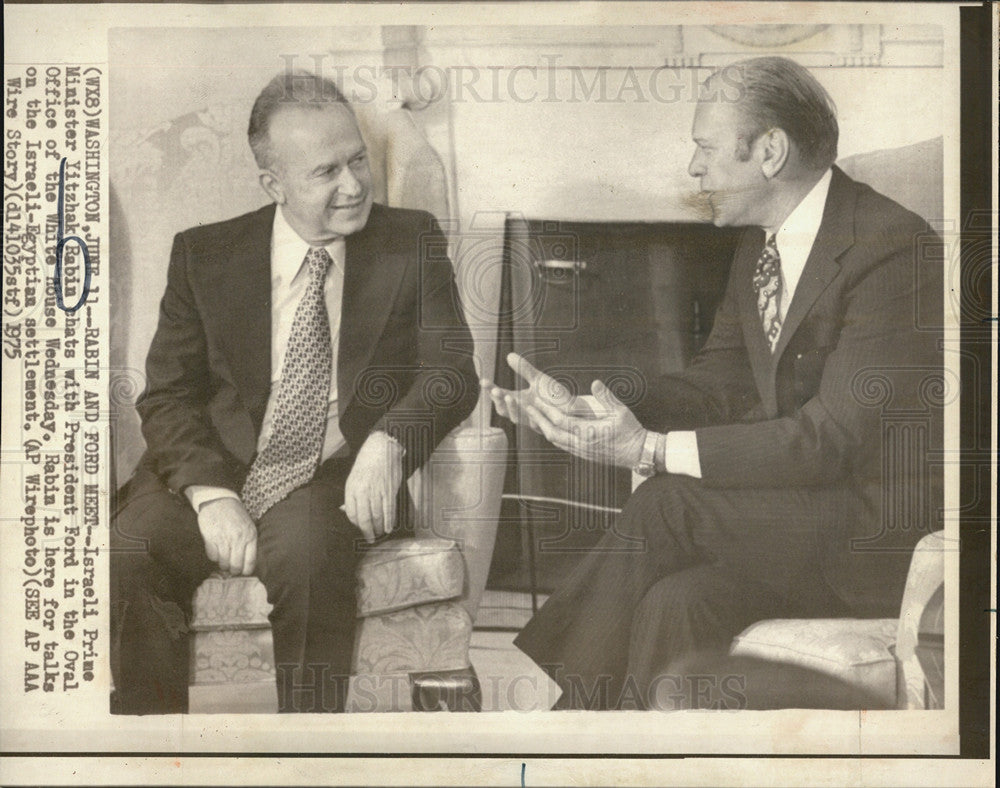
x: 200, y: 494
x: 680, y: 453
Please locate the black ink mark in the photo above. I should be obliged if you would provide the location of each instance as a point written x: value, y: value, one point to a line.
x: 522, y: 775
x: 60, y: 245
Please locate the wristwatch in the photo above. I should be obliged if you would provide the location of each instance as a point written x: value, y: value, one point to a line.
x: 647, y: 460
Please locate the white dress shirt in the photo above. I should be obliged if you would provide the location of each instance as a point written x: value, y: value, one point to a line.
x: 289, y: 280
x: 794, y: 240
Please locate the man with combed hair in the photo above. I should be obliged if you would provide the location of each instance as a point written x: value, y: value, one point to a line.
x: 771, y: 490
x: 285, y: 404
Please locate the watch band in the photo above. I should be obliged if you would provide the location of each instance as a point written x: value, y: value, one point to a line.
x: 660, y: 455
x: 647, y: 458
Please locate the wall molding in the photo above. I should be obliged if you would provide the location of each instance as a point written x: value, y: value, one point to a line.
x: 683, y: 46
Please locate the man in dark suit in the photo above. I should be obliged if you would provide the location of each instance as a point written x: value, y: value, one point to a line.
x: 286, y: 403
x: 775, y: 472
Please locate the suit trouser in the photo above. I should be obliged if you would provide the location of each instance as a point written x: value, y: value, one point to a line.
x: 684, y: 570
x: 307, y: 552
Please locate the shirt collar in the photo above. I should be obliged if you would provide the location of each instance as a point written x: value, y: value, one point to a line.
x: 802, y: 225
x: 288, y: 250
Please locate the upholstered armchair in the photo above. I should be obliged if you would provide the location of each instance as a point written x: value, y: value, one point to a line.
x: 896, y: 662
x: 417, y: 599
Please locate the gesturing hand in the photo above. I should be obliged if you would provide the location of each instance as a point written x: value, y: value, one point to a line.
x: 542, y: 388
x: 370, y: 492
x: 612, y: 435
x: 230, y: 535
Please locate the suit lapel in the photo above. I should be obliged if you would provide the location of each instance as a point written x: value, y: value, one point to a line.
x: 243, y: 291
x: 836, y: 233
x: 372, y: 277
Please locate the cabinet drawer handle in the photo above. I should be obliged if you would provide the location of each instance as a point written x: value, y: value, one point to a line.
x: 563, y: 265
x: 575, y: 266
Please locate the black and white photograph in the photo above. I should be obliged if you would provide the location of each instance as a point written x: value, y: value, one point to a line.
x: 506, y: 394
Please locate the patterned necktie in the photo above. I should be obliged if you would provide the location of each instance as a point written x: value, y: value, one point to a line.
x: 767, y: 286
x: 293, y: 451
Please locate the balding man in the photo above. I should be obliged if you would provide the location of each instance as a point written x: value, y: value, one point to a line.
x: 769, y: 478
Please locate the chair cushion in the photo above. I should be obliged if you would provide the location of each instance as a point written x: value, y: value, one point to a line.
x: 856, y: 651
x: 222, y: 603
x: 424, y: 638
x: 232, y: 656
x: 403, y: 573
x: 397, y: 574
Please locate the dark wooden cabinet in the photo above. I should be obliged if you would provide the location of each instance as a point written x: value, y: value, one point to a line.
x: 620, y: 302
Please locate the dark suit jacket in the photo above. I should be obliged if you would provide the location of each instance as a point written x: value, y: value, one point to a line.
x: 405, y: 354
x: 853, y: 380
